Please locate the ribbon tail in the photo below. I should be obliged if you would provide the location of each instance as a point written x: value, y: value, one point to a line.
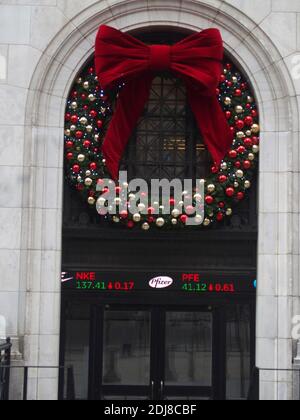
x: 130, y: 106
x: 212, y: 123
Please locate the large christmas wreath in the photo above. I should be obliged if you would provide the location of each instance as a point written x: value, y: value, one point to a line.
x: 89, y: 110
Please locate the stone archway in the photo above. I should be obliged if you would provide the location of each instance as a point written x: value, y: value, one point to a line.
x: 43, y: 161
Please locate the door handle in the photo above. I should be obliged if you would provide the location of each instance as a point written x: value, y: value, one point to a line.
x: 152, y: 390
x: 162, y: 389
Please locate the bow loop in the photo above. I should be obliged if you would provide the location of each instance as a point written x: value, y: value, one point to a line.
x: 197, y: 59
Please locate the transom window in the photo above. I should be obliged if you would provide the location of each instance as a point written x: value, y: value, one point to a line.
x: 167, y: 142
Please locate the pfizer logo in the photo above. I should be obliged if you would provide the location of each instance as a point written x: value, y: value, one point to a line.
x: 161, y: 282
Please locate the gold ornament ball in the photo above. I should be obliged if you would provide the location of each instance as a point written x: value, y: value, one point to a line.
x: 175, y: 213
x: 236, y: 184
x: 210, y: 213
x: 255, y: 149
x: 247, y: 184
x: 248, y: 133
x: 146, y: 226
x: 224, y: 166
x: 239, y: 173
x: 74, y: 105
x: 251, y: 156
x: 206, y: 222
x: 91, y: 201
x: 174, y: 222
x: 78, y: 149
x: 160, y: 222
x: 86, y: 85
x: 97, y: 137
x: 116, y: 219
x: 227, y: 101
x: 229, y: 212
x: 240, y: 135
x: 137, y: 218
x: 89, y: 128
x: 81, y: 158
x: 88, y: 173
x: 73, y: 127
x: 79, y: 179
x: 235, y: 79
x: 239, y: 109
x: 250, y: 99
x: 92, y: 97
x: 211, y: 188
x: 79, y: 81
x: 255, y: 128
x: 68, y: 132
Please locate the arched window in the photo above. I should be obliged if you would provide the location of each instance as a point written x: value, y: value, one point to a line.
x: 166, y: 142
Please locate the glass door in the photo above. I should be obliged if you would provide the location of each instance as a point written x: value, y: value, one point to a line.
x: 188, y: 355
x: 157, y: 354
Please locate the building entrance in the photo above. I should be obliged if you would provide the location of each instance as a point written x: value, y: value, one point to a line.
x: 159, y: 346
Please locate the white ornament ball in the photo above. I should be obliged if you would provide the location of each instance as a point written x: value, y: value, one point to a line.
x: 211, y: 188
x: 174, y: 222
x: 81, y: 158
x: 141, y: 207
x: 175, y: 213
x: 88, y: 182
x: 239, y: 173
x: 137, y: 218
x: 146, y: 226
x: 160, y: 222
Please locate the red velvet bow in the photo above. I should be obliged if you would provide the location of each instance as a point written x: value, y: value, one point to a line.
x: 197, y: 59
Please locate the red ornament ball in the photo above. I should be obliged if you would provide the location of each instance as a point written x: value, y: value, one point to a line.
x: 237, y: 164
x: 228, y: 115
x: 87, y: 144
x: 151, y: 210
x: 76, y: 169
x: 99, y: 123
x: 233, y: 154
x: 184, y: 218
x: 255, y: 140
x: 247, y: 164
x: 214, y: 169
x: 209, y: 199
x: 93, y: 113
x: 240, y: 196
x: 68, y: 117
x: 240, y: 124
x: 238, y: 92
x: 248, y: 142
x: 172, y: 202
x: 230, y: 192
x: 221, y: 204
x: 79, y: 134
x: 254, y: 113
x: 220, y: 216
x: 74, y: 119
x: 70, y: 156
x: 69, y: 145
x: 241, y: 149
x: 222, y: 179
x: 130, y: 224
x: 93, y: 166
x: 124, y: 214
x: 248, y: 121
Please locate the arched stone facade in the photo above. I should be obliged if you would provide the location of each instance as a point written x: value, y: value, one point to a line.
x: 264, y: 63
